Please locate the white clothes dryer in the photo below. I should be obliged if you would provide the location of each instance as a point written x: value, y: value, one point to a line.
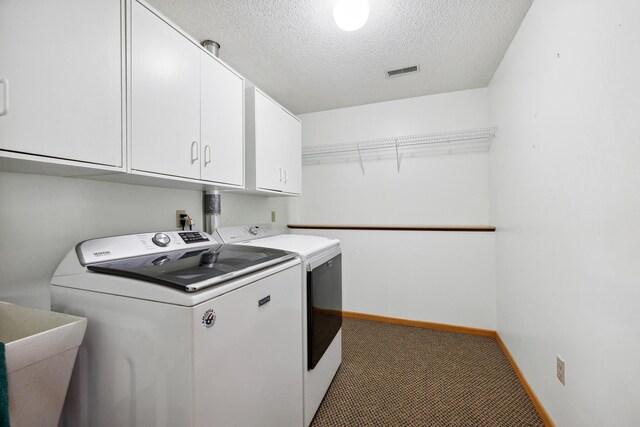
x: 321, y: 284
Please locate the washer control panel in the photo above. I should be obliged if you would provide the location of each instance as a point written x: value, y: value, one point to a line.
x: 244, y: 233
x: 132, y: 245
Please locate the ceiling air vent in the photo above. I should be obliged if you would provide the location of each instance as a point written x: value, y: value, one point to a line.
x: 403, y: 71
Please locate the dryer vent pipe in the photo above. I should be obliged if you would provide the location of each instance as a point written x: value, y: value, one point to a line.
x: 212, y: 208
x: 212, y: 47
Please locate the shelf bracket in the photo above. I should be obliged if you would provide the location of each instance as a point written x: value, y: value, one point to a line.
x: 397, y: 157
x: 360, y: 157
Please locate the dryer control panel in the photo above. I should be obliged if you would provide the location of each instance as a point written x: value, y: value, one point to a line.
x: 245, y: 233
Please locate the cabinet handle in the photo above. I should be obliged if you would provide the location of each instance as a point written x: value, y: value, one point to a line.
x: 280, y: 174
x: 207, y: 154
x: 5, y: 98
x: 286, y: 176
x: 194, y: 153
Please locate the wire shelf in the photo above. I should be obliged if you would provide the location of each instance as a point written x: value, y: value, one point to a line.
x: 400, y: 142
x: 449, y: 139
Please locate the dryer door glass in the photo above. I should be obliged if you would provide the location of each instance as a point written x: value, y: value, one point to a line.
x: 324, y: 308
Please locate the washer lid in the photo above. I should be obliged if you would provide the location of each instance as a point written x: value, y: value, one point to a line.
x: 191, y: 270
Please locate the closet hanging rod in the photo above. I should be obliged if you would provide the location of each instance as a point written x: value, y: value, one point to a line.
x: 439, y: 138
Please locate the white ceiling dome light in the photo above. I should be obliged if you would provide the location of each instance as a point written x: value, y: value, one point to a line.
x: 351, y: 15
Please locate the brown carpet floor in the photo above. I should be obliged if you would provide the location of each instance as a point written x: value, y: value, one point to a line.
x: 394, y: 375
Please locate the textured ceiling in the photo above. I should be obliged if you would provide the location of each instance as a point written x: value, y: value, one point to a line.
x: 293, y: 50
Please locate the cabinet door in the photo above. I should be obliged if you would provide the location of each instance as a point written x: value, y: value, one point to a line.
x: 270, y: 163
x: 292, y: 136
x: 221, y: 124
x: 63, y: 62
x: 165, y: 98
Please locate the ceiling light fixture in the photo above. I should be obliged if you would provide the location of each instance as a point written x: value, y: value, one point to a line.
x: 351, y: 15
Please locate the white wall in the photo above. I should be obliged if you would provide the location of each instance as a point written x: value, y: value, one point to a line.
x: 242, y: 209
x: 43, y: 217
x: 565, y: 183
x: 443, y: 277
x: 438, y: 189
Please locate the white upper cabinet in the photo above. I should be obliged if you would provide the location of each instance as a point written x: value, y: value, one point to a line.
x: 273, y: 145
x: 165, y: 97
x: 269, y: 156
x: 292, y: 141
x: 61, y: 78
x: 221, y: 123
x: 186, y: 106
x: 94, y: 85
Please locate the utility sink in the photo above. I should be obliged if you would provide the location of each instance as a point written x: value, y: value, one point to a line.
x: 41, y: 348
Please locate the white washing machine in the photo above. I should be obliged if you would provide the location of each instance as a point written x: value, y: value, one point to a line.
x: 183, y: 331
x: 321, y: 301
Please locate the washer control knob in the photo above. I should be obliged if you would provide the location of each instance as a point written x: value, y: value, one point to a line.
x: 161, y: 239
x: 253, y: 231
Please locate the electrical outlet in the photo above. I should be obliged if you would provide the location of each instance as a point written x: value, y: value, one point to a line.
x: 178, y: 213
x: 560, y: 369
x: 273, y: 216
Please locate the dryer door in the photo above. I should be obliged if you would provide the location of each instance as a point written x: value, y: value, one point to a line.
x: 324, y: 307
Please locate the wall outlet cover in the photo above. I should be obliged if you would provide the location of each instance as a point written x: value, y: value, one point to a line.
x: 178, y: 213
x: 560, y: 369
